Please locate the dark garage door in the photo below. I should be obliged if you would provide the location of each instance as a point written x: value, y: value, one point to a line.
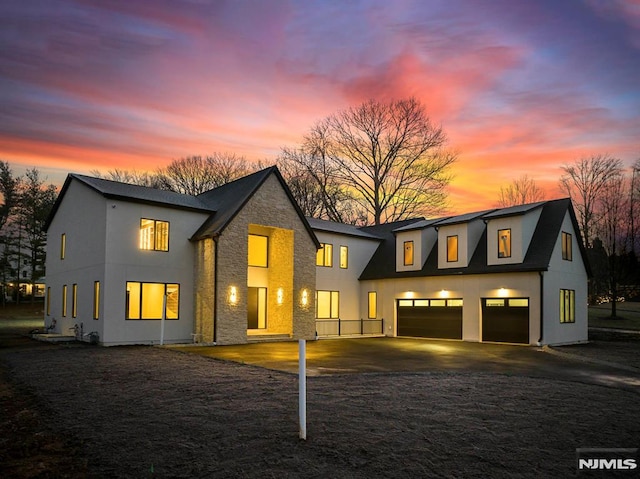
x: 430, y: 318
x: 505, y: 320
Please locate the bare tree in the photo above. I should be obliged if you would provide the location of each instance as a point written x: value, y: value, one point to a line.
x: 387, y: 156
x: 132, y: 177
x: 193, y: 175
x: 36, y: 202
x: 522, y: 191
x: 612, y: 205
x: 634, y: 208
x: 313, y: 178
x: 583, y: 181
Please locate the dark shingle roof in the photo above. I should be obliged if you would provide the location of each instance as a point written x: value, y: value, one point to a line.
x: 124, y: 191
x: 340, y: 228
x: 222, y: 203
x: 537, y: 258
x: 227, y: 200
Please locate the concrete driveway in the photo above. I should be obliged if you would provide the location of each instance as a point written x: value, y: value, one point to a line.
x: 389, y: 355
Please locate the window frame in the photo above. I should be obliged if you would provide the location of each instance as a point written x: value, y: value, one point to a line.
x: 344, y: 264
x: 141, y: 301
x: 567, y: 246
x: 334, y: 309
x: 372, y: 305
x: 324, y: 255
x: 508, y: 253
x: 567, y: 300
x: 449, y: 260
x: 96, y: 300
x: 64, y: 300
x: 74, y: 300
x: 266, y: 263
x: 408, y: 253
x: 154, y: 240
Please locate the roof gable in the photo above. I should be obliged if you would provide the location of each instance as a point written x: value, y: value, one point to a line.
x: 227, y: 200
x: 537, y: 258
x: 127, y: 192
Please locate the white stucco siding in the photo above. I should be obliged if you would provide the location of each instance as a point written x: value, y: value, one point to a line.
x: 125, y: 261
x: 81, y: 218
x: 459, y: 230
x: 470, y: 288
x: 418, y: 260
x: 346, y: 280
x: 564, y: 274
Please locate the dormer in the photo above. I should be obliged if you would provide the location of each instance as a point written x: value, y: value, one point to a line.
x: 509, y: 233
x: 458, y: 238
x: 413, y: 245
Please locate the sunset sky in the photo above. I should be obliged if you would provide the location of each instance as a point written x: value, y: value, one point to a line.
x: 520, y: 87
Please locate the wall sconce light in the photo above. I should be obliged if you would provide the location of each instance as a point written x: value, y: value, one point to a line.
x: 444, y: 293
x: 233, y: 295
x: 280, y: 296
x: 304, y: 300
x: 502, y: 292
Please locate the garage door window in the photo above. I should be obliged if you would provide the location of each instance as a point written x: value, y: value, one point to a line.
x: 409, y: 303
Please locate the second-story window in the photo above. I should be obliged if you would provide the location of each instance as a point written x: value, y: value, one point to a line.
x: 504, y: 243
x: 408, y: 253
x: 324, y: 256
x: 154, y: 235
x: 567, y: 253
x: 452, y: 249
x: 344, y: 257
x: 258, y: 251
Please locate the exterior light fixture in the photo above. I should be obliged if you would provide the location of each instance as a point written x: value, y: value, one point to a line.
x: 233, y: 295
x: 502, y: 292
x: 280, y: 296
x: 304, y: 299
x: 444, y: 293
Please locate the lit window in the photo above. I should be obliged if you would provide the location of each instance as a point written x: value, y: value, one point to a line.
x: 452, y: 249
x: 48, y: 300
x: 324, y: 256
x: 74, y: 300
x: 504, y: 243
x: 96, y: 300
x: 373, y: 305
x: 344, y: 257
x: 408, y: 253
x: 567, y: 253
x: 258, y: 251
x: 64, y: 300
x: 327, y: 304
x: 144, y: 300
x: 63, y: 245
x: 567, y: 306
x: 154, y: 235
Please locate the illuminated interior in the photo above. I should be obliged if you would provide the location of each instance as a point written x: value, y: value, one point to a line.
x: 154, y: 235
x: 504, y: 243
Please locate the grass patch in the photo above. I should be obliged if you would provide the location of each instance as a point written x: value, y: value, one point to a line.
x: 628, y: 316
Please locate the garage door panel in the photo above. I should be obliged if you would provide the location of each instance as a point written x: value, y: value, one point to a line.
x: 505, y: 324
x: 430, y: 322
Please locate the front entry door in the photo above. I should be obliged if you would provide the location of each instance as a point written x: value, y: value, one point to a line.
x: 256, y: 308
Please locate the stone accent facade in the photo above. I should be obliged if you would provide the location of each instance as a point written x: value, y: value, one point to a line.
x: 270, y: 207
x: 204, y: 290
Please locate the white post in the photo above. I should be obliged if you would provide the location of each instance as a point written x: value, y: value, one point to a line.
x: 302, y: 391
x: 164, y: 315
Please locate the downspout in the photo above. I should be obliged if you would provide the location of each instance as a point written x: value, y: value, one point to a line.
x: 541, y: 308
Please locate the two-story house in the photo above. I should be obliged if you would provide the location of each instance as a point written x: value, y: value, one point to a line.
x: 240, y: 263
x: 140, y: 265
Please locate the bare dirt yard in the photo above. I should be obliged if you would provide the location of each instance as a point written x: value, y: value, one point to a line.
x: 84, y: 411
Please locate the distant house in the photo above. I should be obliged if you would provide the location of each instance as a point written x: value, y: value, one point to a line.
x: 240, y: 263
